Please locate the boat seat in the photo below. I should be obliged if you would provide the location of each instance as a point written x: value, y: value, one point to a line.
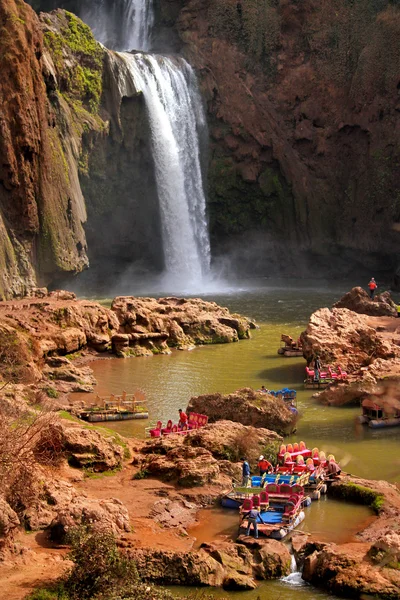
x: 168, y: 428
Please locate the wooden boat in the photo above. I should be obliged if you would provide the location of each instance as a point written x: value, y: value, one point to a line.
x: 278, y: 486
x: 375, y: 416
x: 289, y: 347
x: 116, y: 408
x: 274, y: 520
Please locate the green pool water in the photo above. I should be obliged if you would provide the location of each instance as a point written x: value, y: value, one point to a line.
x: 170, y: 381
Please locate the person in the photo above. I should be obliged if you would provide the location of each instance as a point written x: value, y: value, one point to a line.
x: 182, y: 418
x: 263, y: 389
x: 264, y: 465
x: 372, y: 287
x: 245, y: 473
x: 333, y: 469
x: 317, y: 368
x: 398, y: 311
x: 252, y: 516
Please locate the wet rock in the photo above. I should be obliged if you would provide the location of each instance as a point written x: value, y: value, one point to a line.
x: 272, y: 557
x: 247, y: 407
x: 237, y: 582
x: 181, y: 322
x: 358, y: 300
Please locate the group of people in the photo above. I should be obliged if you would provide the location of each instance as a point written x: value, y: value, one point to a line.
x: 264, y: 467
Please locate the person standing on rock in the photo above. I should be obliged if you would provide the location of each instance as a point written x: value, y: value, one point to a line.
x: 252, y: 518
x: 245, y: 473
x: 372, y: 287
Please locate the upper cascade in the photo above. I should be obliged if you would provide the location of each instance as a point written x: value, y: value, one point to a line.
x: 122, y: 25
x: 177, y: 120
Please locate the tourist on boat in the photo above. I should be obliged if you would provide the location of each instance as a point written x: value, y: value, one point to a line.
x: 264, y: 466
x: 245, y: 473
x: 317, y: 368
x: 333, y: 469
x: 182, y: 419
x: 252, y: 517
x: 372, y: 287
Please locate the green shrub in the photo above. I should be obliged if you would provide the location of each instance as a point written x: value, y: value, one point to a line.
x: 51, y: 392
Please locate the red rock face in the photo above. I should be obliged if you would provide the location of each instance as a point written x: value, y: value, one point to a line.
x: 303, y: 104
x: 40, y: 226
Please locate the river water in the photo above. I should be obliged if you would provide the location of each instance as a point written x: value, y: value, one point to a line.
x: 169, y: 382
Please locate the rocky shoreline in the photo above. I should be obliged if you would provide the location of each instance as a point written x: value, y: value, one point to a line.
x: 363, y: 336
x: 148, y: 493
x: 56, y: 334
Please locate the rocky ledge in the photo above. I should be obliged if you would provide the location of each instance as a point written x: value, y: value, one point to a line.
x: 211, y: 454
x: 369, y: 566
x: 248, y: 407
x: 365, y: 345
x: 50, y: 329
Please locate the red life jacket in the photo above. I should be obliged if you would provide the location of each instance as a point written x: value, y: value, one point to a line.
x: 372, y: 285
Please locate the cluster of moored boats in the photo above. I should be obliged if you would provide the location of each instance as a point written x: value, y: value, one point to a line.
x: 280, y: 497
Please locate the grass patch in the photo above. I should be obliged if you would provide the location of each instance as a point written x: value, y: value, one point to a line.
x: 141, y: 474
x: 360, y: 494
x: 64, y: 414
x: 89, y: 474
x: 51, y: 392
x: 109, y: 433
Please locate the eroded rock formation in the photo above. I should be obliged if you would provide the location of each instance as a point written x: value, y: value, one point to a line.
x: 366, y: 347
x: 247, y: 407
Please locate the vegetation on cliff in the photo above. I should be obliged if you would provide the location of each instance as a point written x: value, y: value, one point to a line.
x: 80, y: 79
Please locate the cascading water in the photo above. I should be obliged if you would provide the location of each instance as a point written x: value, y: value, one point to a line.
x: 176, y: 117
x: 122, y: 25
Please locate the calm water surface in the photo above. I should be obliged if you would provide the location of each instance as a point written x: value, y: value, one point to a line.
x: 170, y: 381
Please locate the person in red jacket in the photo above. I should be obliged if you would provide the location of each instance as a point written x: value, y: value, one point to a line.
x: 264, y: 465
x: 372, y: 287
x: 182, y: 419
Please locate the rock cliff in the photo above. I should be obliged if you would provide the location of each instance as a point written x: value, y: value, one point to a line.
x: 302, y: 102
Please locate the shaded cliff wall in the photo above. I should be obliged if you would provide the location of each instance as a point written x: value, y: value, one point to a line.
x: 303, y: 104
x: 68, y: 117
x: 40, y: 210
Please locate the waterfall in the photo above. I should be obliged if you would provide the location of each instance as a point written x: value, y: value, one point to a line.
x: 120, y: 25
x: 294, y: 578
x: 176, y: 118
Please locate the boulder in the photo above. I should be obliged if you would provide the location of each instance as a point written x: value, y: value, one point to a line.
x: 247, y: 407
x: 272, y: 558
x: 350, y: 573
x: 188, y: 466
x: 9, y: 522
x: 178, y: 568
x: 90, y: 449
x: 358, y: 300
x: 230, y: 440
x: 180, y: 322
x: 341, y: 336
x: 102, y: 515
